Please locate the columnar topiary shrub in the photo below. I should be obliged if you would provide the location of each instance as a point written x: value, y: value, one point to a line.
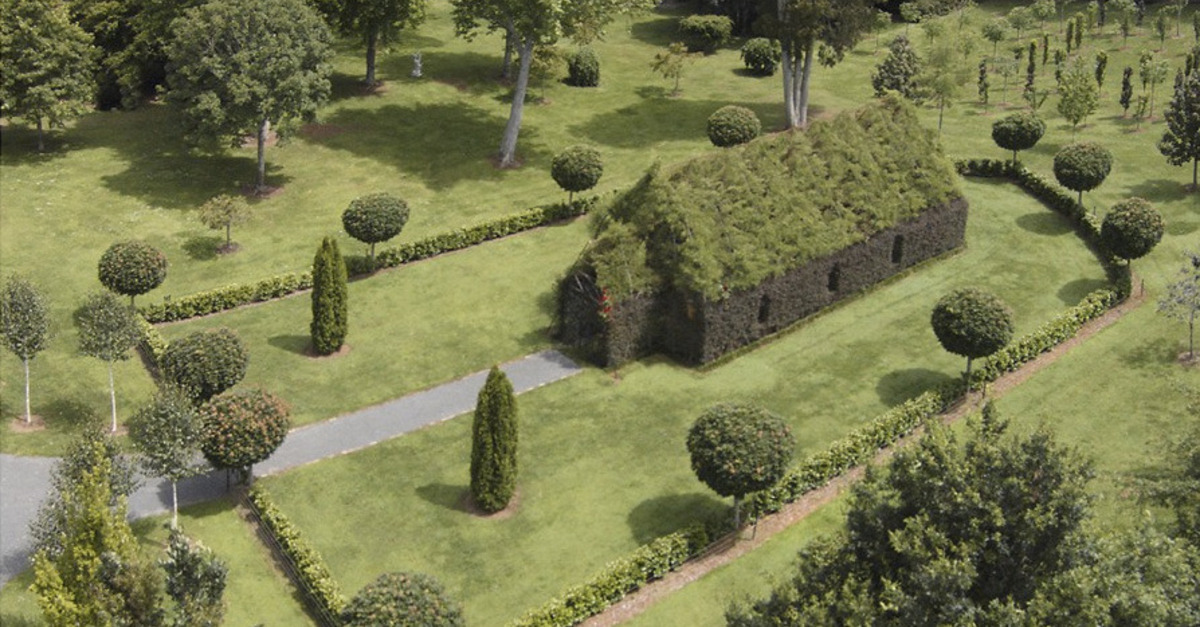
x: 329, y: 299
x: 761, y: 56
x: 1131, y: 229
x: 1019, y: 131
x: 375, y: 218
x: 205, y: 363
x: 972, y: 323
x: 402, y: 600
x: 738, y: 449
x: 1082, y: 166
x: 705, y: 33
x: 732, y: 125
x: 24, y: 324
x: 494, y: 444
x: 132, y: 268
x: 577, y: 169
x: 242, y: 428
x: 583, y: 68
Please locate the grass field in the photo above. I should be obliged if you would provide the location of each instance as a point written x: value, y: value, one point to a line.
x: 120, y: 174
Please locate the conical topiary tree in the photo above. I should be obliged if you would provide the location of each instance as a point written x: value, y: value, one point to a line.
x: 329, y: 296
x: 898, y: 71
x: 494, y: 444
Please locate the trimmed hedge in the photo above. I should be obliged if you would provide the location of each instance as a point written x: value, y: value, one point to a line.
x: 153, y: 344
x: 239, y: 294
x: 618, y: 578
x: 316, y: 583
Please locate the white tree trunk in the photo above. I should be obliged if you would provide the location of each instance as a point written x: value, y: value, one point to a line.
x: 805, y: 74
x: 112, y: 396
x: 789, y: 100
x: 174, y: 506
x: 263, y: 127
x: 28, y: 413
x: 508, y: 145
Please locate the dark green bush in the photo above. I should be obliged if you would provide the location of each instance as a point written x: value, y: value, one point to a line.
x: 732, y: 125
x: 132, y: 268
x: 242, y: 428
x: 205, y: 363
x: 402, y: 600
x: 375, y: 218
x: 1082, y: 166
x: 972, y: 323
x: 1019, y: 131
x: 737, y: 449
x: 317, y: 584
x: 583, y: 68
x: 761, y: 56
x: 1132, y: 228
x: 705, y: 33
x: 494, y: 444
x: 577, y: 169
x: 330, y: 310
x: 898, y: 71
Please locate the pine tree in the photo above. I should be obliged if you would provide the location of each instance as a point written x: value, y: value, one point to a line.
x: 898, y: 71
x: 1181, y: 141
x: 329, y: 296
x: 494, y: 444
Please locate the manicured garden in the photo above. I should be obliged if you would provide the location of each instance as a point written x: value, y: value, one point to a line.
x: 603, y: 467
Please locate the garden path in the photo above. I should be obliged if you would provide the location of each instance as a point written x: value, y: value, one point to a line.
x: 25, y: 481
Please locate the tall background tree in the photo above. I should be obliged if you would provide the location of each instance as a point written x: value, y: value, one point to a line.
x: 242, y: 428
x: 166, y: 433
x: 898, y: 71
x: 494, y: 444
x: 239, y: 66
x: 132, y: 268
x: 945, y: 71
x: 1182, y: 300
x: 375, y: 218
x: 972, y: 323
x: 737, y: 449
x: 1181, y: 140
x: 25, y: 324
x: 377, y: 22
x: 108, y: 330
x: 46, y: 65
x: 803, y: 26
x: 1078, y: 95
x: 330, y: 309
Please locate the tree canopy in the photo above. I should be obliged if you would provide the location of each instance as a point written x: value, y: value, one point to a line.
x: 972, y: 323
x: 1132, y: 228
x: 108, y: 330
x: 377, y: 22
x: 1018, y: 131
x: 132, y: 268
x: 402, y: 600
x: 24, y: 323
x: 1180, y: 142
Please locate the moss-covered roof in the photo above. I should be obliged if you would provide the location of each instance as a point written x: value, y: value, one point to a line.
x: 733, y: 218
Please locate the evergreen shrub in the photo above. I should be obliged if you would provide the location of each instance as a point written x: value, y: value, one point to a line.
x: 330, y: 310
x: 732, y: 125
x: 583, y: 68
x: 705, y: 33
x: 132, y: 268
x: 205, y: 363
x: 761, y: 56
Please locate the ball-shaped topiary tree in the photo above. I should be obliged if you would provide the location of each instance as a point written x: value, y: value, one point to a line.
x: 972, y: 323
x: 205, y: 363
x: 1017, y: 132
x: 732, y: 125
x: 375, y: 218
x: 583, y: 68
x: 737, y: 449
x: 1082, y: 166
x: 402, y: 600
x: 761, y: 56
x: 1131, y: 229
x: 132, y: 267
x: 242, y: 428
x: 577, y: 169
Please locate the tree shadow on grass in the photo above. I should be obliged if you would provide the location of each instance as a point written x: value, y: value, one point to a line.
x: 1044, y: 223
x: 661, y: 515
x: 20, y: 145
x: 900, y: 385
x: 1160, y: 190
x: 1152, y: 354
x: 1073, y: 291
x: 297, y: 344
x: 441, y: 144
x: 1181, y: 227
x: 468, y: 72
x: 451, y: 497
x: 658, y: 119
x: 68, y: 414
x: 661, y: 31
x: 203, y: 247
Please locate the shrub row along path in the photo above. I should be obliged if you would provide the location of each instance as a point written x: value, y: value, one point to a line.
x: 25, y: 481
x: 733, y: 546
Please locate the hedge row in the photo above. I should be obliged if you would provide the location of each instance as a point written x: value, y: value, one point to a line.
x: 647, y: 563
x: 238, y: 294
x: 153, y: 344
x: 316, y: 581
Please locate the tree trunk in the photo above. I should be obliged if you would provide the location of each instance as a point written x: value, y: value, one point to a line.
x: 261, y: 185
x: 112, y: 396
x: 737, y: 512
x: 805, y: 75
x: 372, y: 45
x: 1195, y: 163
x: 1192, y: 335
x: 372, y: 256
x: 941, y: 111
x: 789, y: 93
x: 174, y: 506
x: 968, y: 375
x: 1014, y: 157
x: 41, y: 136
x: 508, y: 145
x: 228, y: 235
x: 28, y: 413
x: 510, y: 36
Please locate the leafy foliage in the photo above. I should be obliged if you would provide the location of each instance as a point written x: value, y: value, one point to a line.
x: 132, y: 268
x: 195, y: 582
x: 1182, y: 300
x: 46, y: 70
x: 494, y: 444
x: 583, y: 68
x: 738, y: 449
x: 1132, y: 228
x: 205, y: 363
x: 167, y: 434
x: 972, y: 323
x: 1078, y: 95
x: 402, y: 600
x: 24, y: 323
x: 672, y: 63
x: 577, y: 169
x: 315, y: 580
x: 705, y: 33
x: 1018, y: 131
x: 107, y: 328
x: 732, y: 125
x: 223, y: 212
x: 242, y: 428
x: 376, y: 22
x: 761, y: 56
x: 330, y: 311
x: 898, y: 71
x: 375, y: 218
x: 1082, y: 166
x: 1180, y: 142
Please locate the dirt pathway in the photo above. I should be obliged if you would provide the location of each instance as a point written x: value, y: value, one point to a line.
x: 731, y: 547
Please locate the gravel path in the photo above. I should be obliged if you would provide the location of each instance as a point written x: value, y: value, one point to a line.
x: 25, y: 481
